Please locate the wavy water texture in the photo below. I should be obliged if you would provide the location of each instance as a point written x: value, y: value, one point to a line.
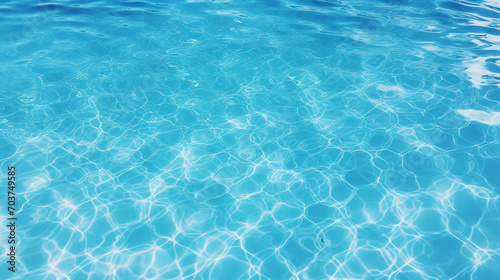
x: 253, y: 139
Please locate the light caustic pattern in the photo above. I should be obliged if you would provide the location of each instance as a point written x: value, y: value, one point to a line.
x: 253, y: 140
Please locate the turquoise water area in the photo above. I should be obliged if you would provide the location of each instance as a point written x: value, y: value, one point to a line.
x: 268, y: 139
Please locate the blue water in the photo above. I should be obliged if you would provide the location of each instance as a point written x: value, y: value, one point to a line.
x: 252, y: 139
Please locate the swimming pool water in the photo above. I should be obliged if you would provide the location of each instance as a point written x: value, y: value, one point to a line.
x: 252, y: 139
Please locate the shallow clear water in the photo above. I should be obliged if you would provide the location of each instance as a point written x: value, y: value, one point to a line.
x: 252, y: 139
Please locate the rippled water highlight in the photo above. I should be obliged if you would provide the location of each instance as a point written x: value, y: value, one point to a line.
x: 252, y: 139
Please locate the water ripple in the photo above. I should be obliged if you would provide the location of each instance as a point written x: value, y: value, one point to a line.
x: 316, y: 139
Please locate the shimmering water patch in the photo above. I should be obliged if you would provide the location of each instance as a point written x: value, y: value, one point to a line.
x: 253, y: 140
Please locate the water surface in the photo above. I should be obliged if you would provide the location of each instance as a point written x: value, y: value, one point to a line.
x: 253, y: 139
